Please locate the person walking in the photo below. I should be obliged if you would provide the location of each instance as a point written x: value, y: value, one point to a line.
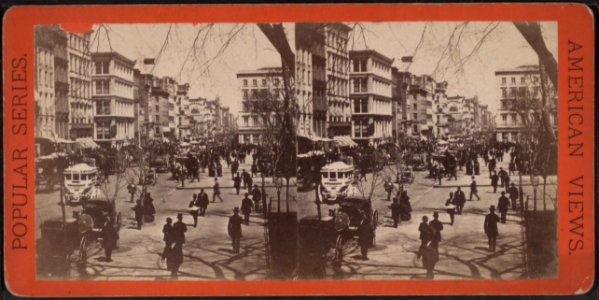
x: 490, y: 227
x: 388, y: 188
x: 492, y: 165
x: 430, y: 257
x: 174, y: 260
x: 216, y: 191
x: 167, y: 231
x: 506, y: 181
x: 436, y: 227
x: 246, y: 208
x: 132, y: 188
x: 473, y: 189
x: 244, y: 177
x: 450, y: 207
x: 149, y: 209
x: 494, y: 180
x: 250, y: 183
x: 502, y: 175
x: 194, y: 208
x: 426, y: 235
x: 502, y: 205
x: 237, y: 183
x: 256, y: 197
x: 234, y: 229
x: 203, y: 202
x: 460, y: 199
x: 109, y: 239
x: 139, y: 213
x: 395, y: 211
x: 179, y: 230
x: 514, y: 194
x: 364, y: 238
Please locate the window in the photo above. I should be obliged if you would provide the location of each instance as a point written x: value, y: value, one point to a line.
x: 522, y: 80
x: 245, y: 82
x: 102, y: 67
x: 513, y: 80
x: 102, y: 87
x: 503, y: 92
x: 522, y: 92
x: 245, y: 121
x: 263, y: 82
x: 514, y: 118
x: 415, y: 116
x: 245, y: 94
x: 255, y: 82
x: 513, y: 92
x: 415, y: 106
x: 103, y: 107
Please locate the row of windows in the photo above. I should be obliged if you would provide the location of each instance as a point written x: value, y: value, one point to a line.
x: 520, y: 92
x: 523, y: 80
x: 337, y: 63
x: 336, y: 41
x: 276, y: 82
x: 78, y: 42
x: 79, y: 65
x: 79, y: 88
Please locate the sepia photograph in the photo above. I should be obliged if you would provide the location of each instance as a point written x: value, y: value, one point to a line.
x: 296, y: 151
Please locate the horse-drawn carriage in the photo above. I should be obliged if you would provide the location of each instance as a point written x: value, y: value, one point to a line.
x: 74, y: 239
x: 352, y: 211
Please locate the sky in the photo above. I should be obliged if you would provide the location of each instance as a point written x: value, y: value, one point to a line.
x: 222, y: 50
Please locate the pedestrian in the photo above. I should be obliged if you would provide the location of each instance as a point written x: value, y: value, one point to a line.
x: 194, y: 208
x: 502, y: 175
x: 139, y: 213
x: 246, y: 208
x: 512, y: 167
x: 426, y: 235
x: 253, y: 169
x: 492, y: 164
x: 250, y: 183
x: 256, y: 197
x: 109, y: 238
x: 203, y: 202
x: 439, y: 173
x: 490, y: 228
x: 506, y: 181
x: 365, y: 236
x: 514, y: 194
x: 237, y: 183
x: 473, y: 189
x: 430, y: 257
x: 494, y: 179
x: 132, y: 188
x: 405, y: 208
x: 219, y: 169
x: 149, y: 209
x: 167, y: 231
x: 450, y: 207
x: 174, y: 259
x: 234, y: 229
x: 388, y: 188
x: 502, y: 206
x: 179, y: 229
x: 244, y: 178
x: 436, y: 227
x: 234, y: 168
x: 395, y: 211
x: 476, y: 167
x: 216, y: 191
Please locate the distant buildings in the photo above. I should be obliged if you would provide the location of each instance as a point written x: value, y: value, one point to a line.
x: 339, y: 114
x: 81, y: 117
x: 519, y: 88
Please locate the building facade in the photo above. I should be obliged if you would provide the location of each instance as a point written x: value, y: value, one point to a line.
x: 81, y: 117
x: 337, y: 70
x: 371, y: 97
x: 45, y: 108
x: 113, y: 96
x: 520, y: 90
x: 262, y: 93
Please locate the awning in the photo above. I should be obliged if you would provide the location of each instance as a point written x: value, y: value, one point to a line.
x: 311, y: 154
x: 63, y: 141
x: 314, y: 138
x: 345, y: 141
x: 87, y: 143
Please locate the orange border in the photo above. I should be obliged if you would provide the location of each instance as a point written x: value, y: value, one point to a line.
x: 575, y: 21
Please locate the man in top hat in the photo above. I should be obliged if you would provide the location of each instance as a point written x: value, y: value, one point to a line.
x: 436, y: 227
x: 502, y: 205
x: 514, y: 194
x: 234, y: 229
x: 490, y: 227
x: 179, y: 229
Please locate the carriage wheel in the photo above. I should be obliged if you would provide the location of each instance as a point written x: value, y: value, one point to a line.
x: 83, y: 249
x: 339, y: 248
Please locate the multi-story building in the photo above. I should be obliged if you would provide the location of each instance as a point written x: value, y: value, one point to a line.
x: 196, y: 111
x: 45, y: 104
x: 337, y: 79
x: 262, y: 92
x: 81, y: 116
x: 61, y: 83
x: 160, y: 102
x: 182, y: 107
x: 114, y: 110
x: 417, y: 108
x: 371, y: 96
x: 518, y: 88
x: 439, y: 115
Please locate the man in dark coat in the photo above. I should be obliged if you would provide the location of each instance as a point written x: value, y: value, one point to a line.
x: 451, y: 207
x: 474, y: 189
x: 364, y: 238
x: 492, y: 164
x: 395, y: 211
x: 490, y: 228
x: 179, y: 229
x: 460, y: 199
x: 216, y: 191
x: 237, y: 183
x: 244, y: 177
x: 109, y: 238
x: 139, y: 213
x: 203, y: 202
x: 234, y: 229
x: 502, y: 175
x: 494, y: 181
x: 514, y: 194
x: 132, y: 188
x: 256, y: 196
x: 502, y: 205
x: 174, y: 259
x: 436, y: 227
x: 246, y: 208
x: 167, y: 231
x: 426, y: 235
x: 388, y: 188
x: 234, y: 168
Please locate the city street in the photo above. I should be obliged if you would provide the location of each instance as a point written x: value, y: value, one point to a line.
x: 207, y: 252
